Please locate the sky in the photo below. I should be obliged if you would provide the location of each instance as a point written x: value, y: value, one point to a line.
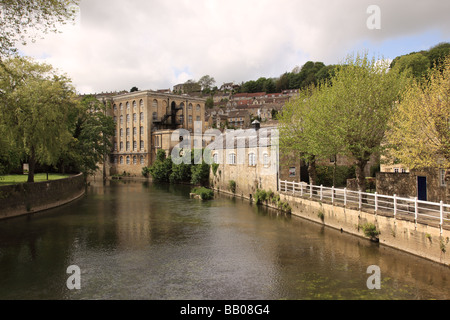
x: 115, y: 45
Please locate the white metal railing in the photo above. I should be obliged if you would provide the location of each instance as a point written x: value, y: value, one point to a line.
x: 404, y: 208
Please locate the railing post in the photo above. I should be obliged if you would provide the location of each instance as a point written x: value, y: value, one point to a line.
x: 345, y: 197
x: 441, y: 215
x: 301, y: 189
x: 332, y: 195
x: 376, y: 202
x: 321, y: 192
x: 293, y: 188
x: 416, y: 210
x: 360, y: 199
x: 395, y: 206
x: 310, y: 190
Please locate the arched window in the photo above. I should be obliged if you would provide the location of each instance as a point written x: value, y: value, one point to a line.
x: 121, y: 107
x: 128, y: 106
x: 121, y: 120
x: 198, y: 107
x: 134, y: 160
x: 155, y: 116
x: 134, y: 117
x: 128, y: 159
x: 216, y: 158
x: 141, y: 104
x: 142, y: 160
x: 142, y: 116
x: 134, y: 105
x: 115, y: 107
x: 121, y: 160
x: 128, y: 118
x: 155, y: 104
x: 190, y: 106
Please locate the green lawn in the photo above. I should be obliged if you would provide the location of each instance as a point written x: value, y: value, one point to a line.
x: 39, y: 177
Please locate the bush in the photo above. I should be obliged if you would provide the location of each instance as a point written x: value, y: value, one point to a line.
x: 200, y: 174
x: 232, y: 186
x: 204, y: 193
x: 370, y: 230
x: 260, y: 196
x: 325, y: 175
x: 145, y: 171
x: 215, y: 166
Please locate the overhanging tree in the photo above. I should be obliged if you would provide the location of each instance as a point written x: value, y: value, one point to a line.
x: 35, y: 109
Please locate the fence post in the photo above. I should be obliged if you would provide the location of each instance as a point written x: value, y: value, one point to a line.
x: 321, y: 192
x: 310, y: 190
x: 301, y: 189
x: 416, y: 210
x: 332, y: 195
x: 376, y: 202
x: 395, y: 206
x: 360, y: 199
x: 345, y: 197
x: 441, y: 215
x: 293, y: 188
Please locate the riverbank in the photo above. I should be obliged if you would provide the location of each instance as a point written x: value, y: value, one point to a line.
x: 29, y: 198
x: 425, y: 241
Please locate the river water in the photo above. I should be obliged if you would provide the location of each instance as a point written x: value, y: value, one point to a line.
x: 140, y: 241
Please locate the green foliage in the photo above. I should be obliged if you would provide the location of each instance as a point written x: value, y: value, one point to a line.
x: 200, y: 174
x: 146, y: 171
x: 232, y: 186
x: 161, y: 168
x: 204, y: 193
x: 37, y: 108
x: 23, y: 20
x: 214, y: 167
x: 209, y: 103
x: 260, y: 196
x: 370, y: 230
x: 325, y: 175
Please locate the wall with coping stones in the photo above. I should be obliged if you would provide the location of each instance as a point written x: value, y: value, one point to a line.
x: 26, y: 198
x: 421, y: 240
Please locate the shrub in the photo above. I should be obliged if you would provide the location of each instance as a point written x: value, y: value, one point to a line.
x: 370, y: 230
x: 260, y: 196
x: 145, y: 171
x: 232, y: 186
x: 200, y: 174
x: 215, y: 166
x: 204, y: 193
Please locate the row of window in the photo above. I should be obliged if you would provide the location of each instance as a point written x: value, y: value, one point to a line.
x: 251, y: 159
x: 121, y: 106
x: 154, y: 105
x: 129, y: 118
x: 128, y: 145
x: 129, y: 160
x: 128, y: 131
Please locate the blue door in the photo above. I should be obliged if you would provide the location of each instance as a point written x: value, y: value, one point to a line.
x: 422, y: 188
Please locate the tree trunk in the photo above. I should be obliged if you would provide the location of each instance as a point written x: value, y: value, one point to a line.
x: 32, y: 165
x: 360, y: 174
x: 312, y: 170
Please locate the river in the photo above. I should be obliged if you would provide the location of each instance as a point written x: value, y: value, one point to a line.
x: 140, y: 241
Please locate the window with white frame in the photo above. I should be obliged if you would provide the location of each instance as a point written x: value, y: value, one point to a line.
x: 216, y: 158
x: 142, y: 160
x: 266, y: 159
x: 252, y: 159
x: 232, y: 158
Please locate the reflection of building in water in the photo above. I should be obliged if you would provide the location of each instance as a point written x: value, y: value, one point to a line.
x: 145, y: 121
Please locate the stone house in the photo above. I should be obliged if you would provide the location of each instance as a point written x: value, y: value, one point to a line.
x: 247, y: 157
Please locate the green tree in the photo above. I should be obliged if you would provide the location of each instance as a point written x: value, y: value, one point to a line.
x: 23, y: 20
x: 363, y: 95
x: 416, y: 64
x: 92, y: 134
x: 161, y: 168
x: 35, y: 109
x: 206, y: 82
x: 419, y: 134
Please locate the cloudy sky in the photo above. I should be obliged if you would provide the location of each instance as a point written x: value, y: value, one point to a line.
x: 156, y: 44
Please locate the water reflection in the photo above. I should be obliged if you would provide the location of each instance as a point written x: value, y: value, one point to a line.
x: 135, y: 240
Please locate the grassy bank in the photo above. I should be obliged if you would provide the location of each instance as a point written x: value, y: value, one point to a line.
x: 40, y: 177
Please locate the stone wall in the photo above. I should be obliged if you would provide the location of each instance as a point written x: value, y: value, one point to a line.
x: 26, y: 198
x: 419, y: 239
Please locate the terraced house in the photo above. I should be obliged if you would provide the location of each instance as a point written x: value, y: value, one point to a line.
x: 146, y: 121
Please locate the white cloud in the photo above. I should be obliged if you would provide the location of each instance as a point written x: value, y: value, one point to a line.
x: 157, y: 44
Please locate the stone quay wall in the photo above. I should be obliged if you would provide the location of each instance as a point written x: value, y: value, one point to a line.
x: 422, y: 240
x: 28, y: 198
